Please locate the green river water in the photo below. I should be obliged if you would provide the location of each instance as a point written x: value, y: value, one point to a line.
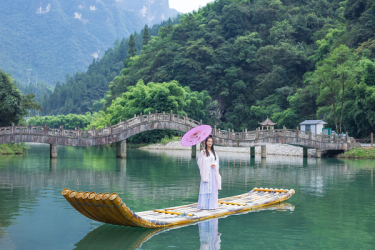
x: 333, y: 204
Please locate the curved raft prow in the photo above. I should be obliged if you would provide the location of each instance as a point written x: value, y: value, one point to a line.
x: 109, y: 208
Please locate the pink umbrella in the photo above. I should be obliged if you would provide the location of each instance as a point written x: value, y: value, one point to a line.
x: 196, y: 135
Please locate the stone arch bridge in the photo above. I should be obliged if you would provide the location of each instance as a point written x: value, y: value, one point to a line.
x: 124, y: 129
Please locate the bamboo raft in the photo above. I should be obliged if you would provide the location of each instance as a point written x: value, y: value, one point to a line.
x: 130, y: 238
x: 109, y: 208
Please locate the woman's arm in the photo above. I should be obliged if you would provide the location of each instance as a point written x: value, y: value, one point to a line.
x: 216, y: 162
x: 203, y: 167
x: 218, y: 176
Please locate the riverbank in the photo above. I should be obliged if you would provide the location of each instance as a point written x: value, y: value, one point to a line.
x: 13, y: 148
x: 272, y: 149
x: 163, y: 142
x: 360, y: 153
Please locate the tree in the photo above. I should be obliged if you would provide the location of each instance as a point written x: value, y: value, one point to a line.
x: 165, y: 96
x: 132, y: 51
x: 70, y: 121
x: 13, y: 105
x: 146, y: 35
x: 334, y: 76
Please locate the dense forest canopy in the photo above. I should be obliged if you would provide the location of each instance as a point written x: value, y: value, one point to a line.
x: 290, y: 60
x: 250, y: 56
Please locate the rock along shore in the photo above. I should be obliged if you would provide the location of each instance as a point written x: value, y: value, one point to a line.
x: 272, y: 149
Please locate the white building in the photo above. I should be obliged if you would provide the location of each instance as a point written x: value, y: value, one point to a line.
x: 315, y: 126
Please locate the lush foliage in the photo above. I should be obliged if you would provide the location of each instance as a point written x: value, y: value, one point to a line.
x: 51, y: 38
x: 70, y: 121
x: 250, y: 57
x: 290, y: 60
x: 141, y: 98
x: 360, y: 152
x: 165, y: 96
x: 13, y: 148
x: 13, y: 105
x: 79, y: 92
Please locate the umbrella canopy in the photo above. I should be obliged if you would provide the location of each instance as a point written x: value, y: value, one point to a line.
x: 196, y: 135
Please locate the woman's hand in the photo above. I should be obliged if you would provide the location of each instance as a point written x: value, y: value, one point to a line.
x: 213, y: 166
x: 204, y: 151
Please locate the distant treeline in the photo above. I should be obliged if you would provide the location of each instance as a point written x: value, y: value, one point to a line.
x: 79, y: 92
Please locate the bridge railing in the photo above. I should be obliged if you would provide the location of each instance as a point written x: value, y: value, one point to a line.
x: 86, y: 133
x: 20, y: 129
x: 251, y: 135
x: 54, y: 132
x: 291, y: 133
x: 5, y: 130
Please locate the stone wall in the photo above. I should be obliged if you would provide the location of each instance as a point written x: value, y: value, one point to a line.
x: 272, y: 149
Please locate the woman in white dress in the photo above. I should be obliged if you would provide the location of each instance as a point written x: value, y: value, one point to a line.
x: 208, y: 163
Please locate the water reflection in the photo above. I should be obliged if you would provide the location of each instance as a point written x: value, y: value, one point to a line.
x: 126, y: 238
x: 209, y: 235
x: 334, y: 198
x: 130, y: 238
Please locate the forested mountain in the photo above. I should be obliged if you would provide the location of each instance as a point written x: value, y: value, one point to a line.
x: 291, y: 60
x: 78, y: 93
x: 249, y: 56
x: 49, y: 38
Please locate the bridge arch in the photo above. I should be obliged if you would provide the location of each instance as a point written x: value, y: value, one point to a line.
x: 125, y: 129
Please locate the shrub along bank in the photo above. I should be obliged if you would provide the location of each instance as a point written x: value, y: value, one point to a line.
x: 13, y: 148
x: 360, y: 152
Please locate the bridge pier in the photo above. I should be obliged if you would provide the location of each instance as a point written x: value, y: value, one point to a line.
x: 252, y: 161
x: 252, y: 152
x: 53, y: 164
x: 121, y: 149
x: 318, y: 153
x: 304, y: 152
x: 263, y: 162
x: 263, y: 151
x: 53, y: 150
x: 194, y: 151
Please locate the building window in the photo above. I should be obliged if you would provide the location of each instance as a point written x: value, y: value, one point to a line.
x: 307, y: 128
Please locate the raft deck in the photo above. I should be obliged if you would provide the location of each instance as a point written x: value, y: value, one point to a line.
x: 109, y: 208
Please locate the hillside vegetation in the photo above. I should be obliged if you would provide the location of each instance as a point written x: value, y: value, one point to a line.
x: 138, y: 99
x: 55, y: 37
x: 291, y: 60
x: 82, y: 91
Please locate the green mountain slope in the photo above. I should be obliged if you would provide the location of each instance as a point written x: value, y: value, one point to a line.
x: 250, y: 56
x: 78, y: 92
x: 55, y: 37
x: 289, y: 60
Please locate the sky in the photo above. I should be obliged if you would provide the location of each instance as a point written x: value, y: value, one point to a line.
x: 186, y: 6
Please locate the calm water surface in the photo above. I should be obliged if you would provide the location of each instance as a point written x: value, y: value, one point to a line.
x: 333, y: 204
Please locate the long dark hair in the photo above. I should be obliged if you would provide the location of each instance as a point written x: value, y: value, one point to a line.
x: 212, y: 148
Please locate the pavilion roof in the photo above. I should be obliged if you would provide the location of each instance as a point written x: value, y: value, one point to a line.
x: 267, y: 122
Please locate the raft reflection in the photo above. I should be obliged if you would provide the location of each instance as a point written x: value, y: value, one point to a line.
x: 126, y: 238
x: 130, y: 238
